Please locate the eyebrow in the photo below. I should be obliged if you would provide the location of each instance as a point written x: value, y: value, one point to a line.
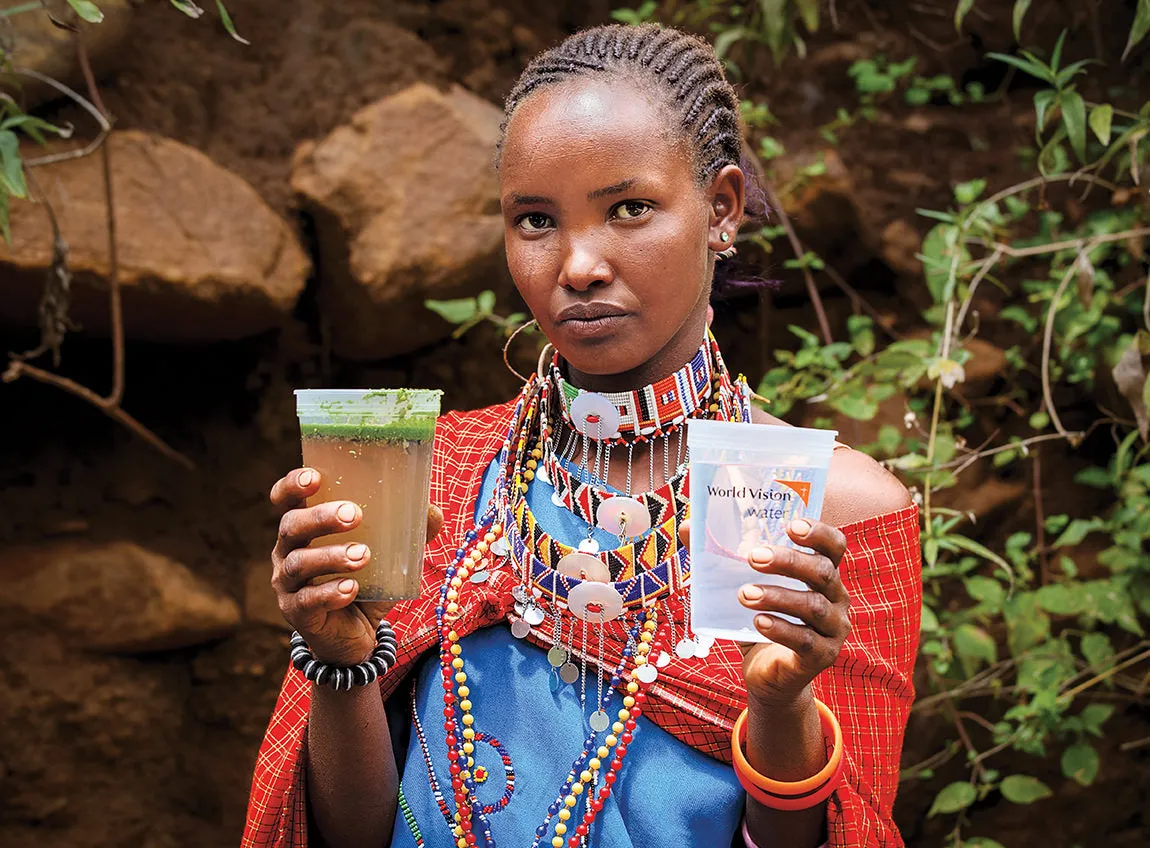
x: 618, y: 188
x: 531, y: 200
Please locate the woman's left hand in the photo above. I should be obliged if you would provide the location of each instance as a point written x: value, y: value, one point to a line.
x: 778, y: 672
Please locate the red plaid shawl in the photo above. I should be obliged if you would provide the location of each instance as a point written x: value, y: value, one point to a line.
x: 869, y: 687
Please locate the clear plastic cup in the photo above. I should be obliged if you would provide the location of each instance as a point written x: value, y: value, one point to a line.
x: 748, y: 483
x: 374, y: 448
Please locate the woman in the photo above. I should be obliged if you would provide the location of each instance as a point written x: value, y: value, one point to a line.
x: 621, y: 189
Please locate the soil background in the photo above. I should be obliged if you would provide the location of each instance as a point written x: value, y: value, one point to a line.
x: 156, y: 749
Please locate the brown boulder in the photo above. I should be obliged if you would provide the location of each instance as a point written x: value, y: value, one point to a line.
x: 202, y: 257
x: 40, y: 45
x: 115, y: 597
x: 406, y: 204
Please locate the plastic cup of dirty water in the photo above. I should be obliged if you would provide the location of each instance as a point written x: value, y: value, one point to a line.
x: 374, y: 448
x: 748, y: 483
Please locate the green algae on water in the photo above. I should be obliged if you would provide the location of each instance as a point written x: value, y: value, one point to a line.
x: 410, y: 430
x: 369, y: 415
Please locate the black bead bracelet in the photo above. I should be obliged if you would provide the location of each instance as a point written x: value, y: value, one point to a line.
x: 342, y: 677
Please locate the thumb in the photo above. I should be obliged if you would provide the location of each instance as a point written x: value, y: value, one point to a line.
x: 434, y: 521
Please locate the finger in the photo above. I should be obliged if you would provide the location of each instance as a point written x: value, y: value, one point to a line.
x: 311, y: 603
x: 434, y: 521
x: 816, y: 570
x: 823, y: 538
x: 685, y: 532
x: 299, y: 527
x: 302, y: 565
x: 813, y: 650
x: 294, y: 488
x: 376, y: 611
x: 815, y: 610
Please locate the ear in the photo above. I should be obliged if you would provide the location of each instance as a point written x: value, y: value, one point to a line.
x: 726, y: 196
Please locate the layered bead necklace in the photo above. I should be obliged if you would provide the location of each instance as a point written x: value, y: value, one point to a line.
x: 560, y: 589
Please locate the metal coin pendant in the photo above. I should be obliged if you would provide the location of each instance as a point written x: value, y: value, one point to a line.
x: 583, y: 566
x: 519, y: 594
x: 663, y: 660
x: 534, y: 615
x: 599, y: 721
x: 500, y: 548
x: 595, y: 602
x: 520, y: 628
x: 479, y: 577
x: 557, y: 656
x: 519, y: 608
x: 595, y: 416
x: 589, y: 546
x: 568, y: 672
x: 685, y: 649
x: 646, y: 673
x: 541, y: 474
x: 622, y: 515
x: 556, y: 499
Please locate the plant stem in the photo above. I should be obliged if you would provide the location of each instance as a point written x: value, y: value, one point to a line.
x: 19, y: 10
x: 1047, y: 340
x: 797, y: 247
x: 1098, y: 678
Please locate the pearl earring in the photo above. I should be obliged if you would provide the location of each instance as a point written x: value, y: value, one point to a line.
x: 724, y: 236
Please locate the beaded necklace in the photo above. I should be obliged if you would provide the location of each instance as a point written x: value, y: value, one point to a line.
x: 507, y: 531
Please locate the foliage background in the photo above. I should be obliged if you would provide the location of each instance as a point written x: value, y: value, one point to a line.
x: 960, y: 248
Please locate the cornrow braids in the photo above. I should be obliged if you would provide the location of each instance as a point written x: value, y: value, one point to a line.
x: 679, y: 69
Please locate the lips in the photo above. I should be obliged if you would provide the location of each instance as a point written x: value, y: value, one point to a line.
x: 590, y: 320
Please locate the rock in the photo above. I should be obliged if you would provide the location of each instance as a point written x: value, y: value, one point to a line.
x: 115, y: 597
x: 406, y: 205
x: 40, y: 45
x: 202, y: 258
x: 260, y: 603
x: 900, y: 245
x: 986, y: 364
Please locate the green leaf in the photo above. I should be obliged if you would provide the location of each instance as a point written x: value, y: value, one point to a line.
x: 1074, y: 119
x: 1098, y: 651
x: 974, y: 646
x: 1042, y: 101
x: 861, y: 329
x: 958, y: 796
x: 1020, y: 7
x: 981, y: 842
x: 1095, y: 477
x: 929, y: 620
x: 727, y: 39
x: 1035, y: 69
x: 87, y: 10
x: 1077, y: 531
x: 986, y: 590
x: 968, y: 192
x: 961, y: 11
x: 1094, y: 716
x: 1056, y: 54
x: 775, y: 20
x: 1139, y: 29
x: 11, y: 165
x: 1024, y: 789
x: 809, y: 12
x: 188, y: 7
x: 5, y: 228
x: 1100, y: 118
x: 854, y: 405
x: 1063, y: 598
x: 486, y: 301
x: 454, y: 311
x: 1080, y: 763
x: 226, y: 20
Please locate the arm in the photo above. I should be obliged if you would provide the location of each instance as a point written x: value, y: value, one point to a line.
x: 785, y: 740
x: 352, y: 784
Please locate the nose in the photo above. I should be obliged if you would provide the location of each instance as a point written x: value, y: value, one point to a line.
x: 585, y: 265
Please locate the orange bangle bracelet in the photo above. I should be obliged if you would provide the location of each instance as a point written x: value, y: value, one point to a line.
x: 830, y: 726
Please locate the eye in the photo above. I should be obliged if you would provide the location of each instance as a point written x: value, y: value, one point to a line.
x: 534, y: 222
x: 630, y: 210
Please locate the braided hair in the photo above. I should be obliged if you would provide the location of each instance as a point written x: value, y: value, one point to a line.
x: 679, y: 70
x: 682, y: 74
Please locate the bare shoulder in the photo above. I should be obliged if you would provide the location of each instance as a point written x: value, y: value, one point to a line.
x: 858, y: 488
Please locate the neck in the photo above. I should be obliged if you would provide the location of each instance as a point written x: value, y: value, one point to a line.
x: 671, y: 358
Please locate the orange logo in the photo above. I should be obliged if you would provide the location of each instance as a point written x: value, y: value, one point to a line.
x: 799, y: 487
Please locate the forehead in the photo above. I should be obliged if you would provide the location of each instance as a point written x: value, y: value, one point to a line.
x: 587, y: 129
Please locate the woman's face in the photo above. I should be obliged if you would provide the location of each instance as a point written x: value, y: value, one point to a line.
x: 608, y: 233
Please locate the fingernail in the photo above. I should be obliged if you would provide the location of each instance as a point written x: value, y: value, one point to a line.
x: 305, y: 479
x: 346, y: 586
x: 762, y: 555
x: 346, y: 513
x: 752, y: 593
x: 764, y: 622
x: 356, y: 551
x: 800, y: 527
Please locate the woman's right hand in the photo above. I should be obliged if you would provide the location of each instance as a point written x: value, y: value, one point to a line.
x: 336, y: 629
